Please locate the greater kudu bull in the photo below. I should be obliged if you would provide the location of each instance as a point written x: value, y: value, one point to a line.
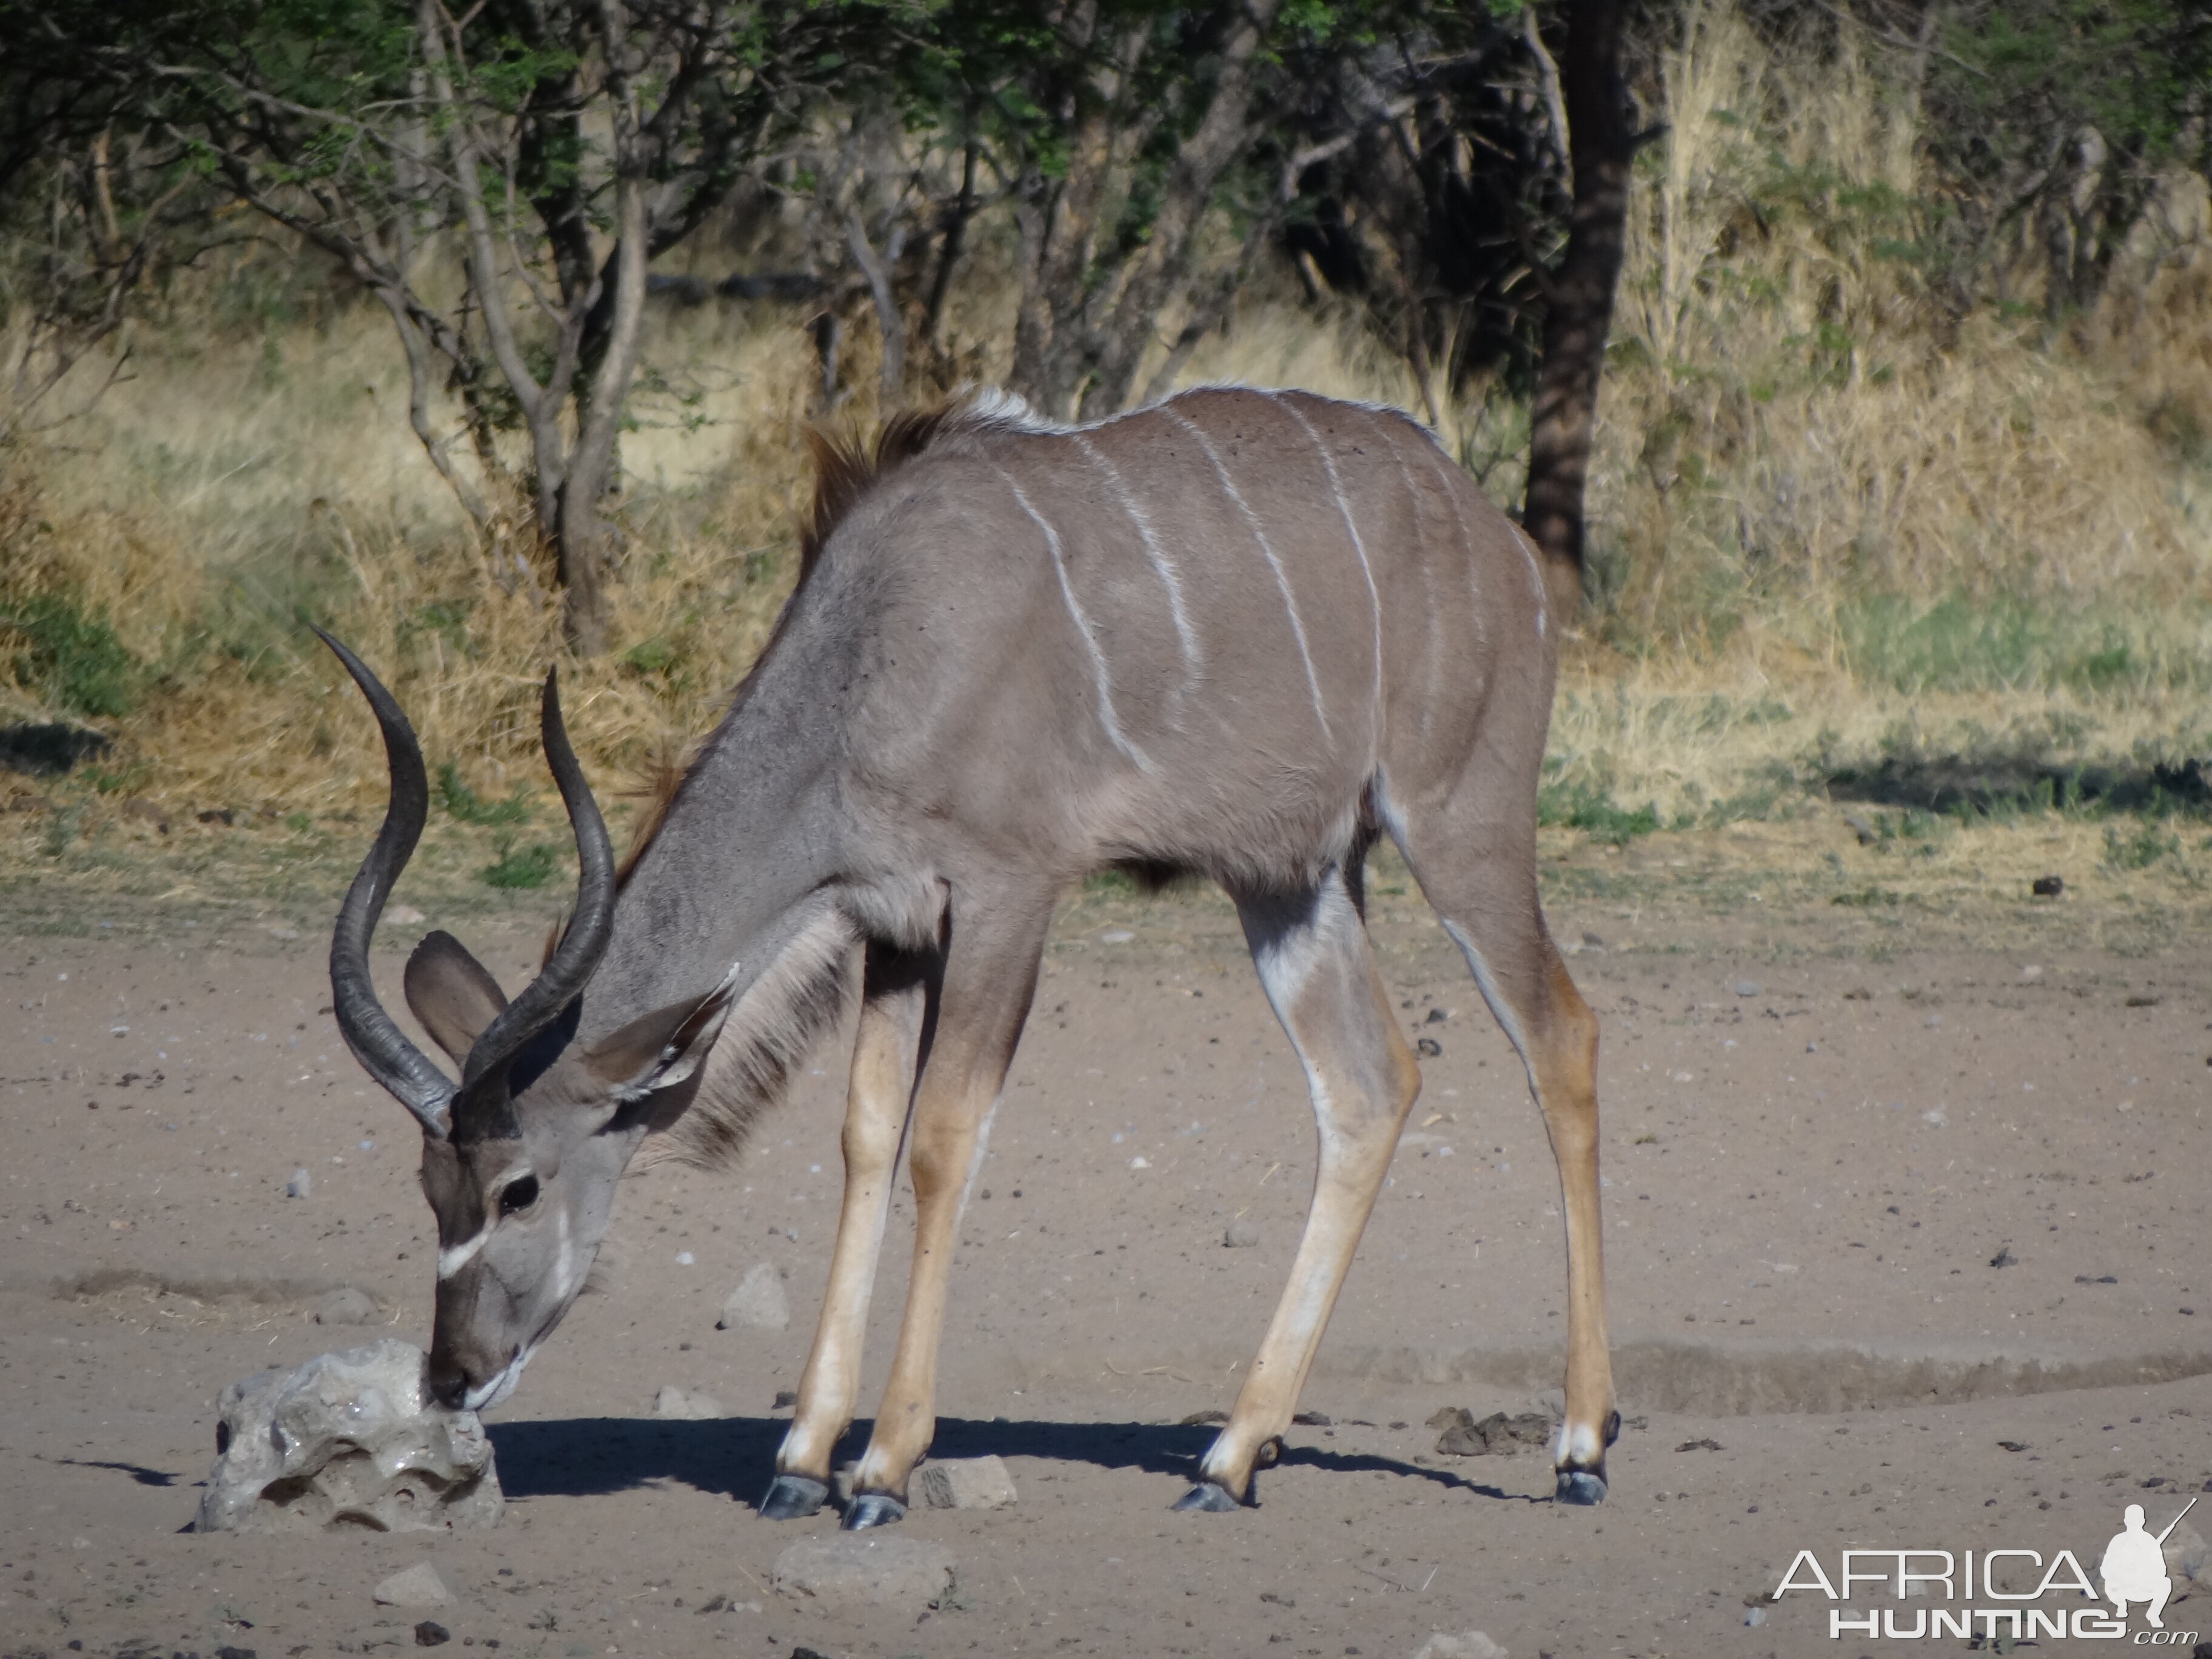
x: 1240, y: 633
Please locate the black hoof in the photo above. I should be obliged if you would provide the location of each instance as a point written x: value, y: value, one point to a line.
x: 792, y: 1498
x: 1214, y: 1500
x: 1580, y: 1487
x: 873, y: 1509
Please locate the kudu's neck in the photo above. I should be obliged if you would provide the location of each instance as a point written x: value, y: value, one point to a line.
x: 743, y: 861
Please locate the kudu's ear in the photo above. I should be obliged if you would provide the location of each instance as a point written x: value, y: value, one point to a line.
x: 656, y: 1052
x: 452, y: 994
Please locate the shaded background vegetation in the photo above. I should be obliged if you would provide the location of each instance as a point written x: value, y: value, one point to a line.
x: 1899, y: 472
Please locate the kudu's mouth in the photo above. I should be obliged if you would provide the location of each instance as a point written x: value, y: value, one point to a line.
x: 450, y: 1387
x: 480, y: 1106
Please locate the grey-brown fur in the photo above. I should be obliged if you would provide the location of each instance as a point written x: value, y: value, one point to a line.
x: 1238, y: 633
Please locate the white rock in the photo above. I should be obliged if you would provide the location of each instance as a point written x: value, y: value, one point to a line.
x: 965, y: 1483
x: 1468, y: 1644
x: 874, y: 1566
x: 1239, y: 1236
x: 299, y: 1186
x: 673, y: 1401
x: 425, y: 1584
x: 758, y: 1302
x: 348, y: 1441
x: 405, y: 915
x: 346, y: 1306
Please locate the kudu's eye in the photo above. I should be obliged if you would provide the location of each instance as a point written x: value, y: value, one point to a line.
x: 518, y: 1196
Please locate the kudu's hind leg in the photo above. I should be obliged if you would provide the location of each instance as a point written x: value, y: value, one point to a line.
x: 1484, y: 890
x: 893, y: 1004
x: 1313, y: 957
x: 990, y: 974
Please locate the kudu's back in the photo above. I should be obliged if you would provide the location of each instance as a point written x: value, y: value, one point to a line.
x: 1192, y: 635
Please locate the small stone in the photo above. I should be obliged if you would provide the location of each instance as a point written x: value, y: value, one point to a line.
x: 1754, y: 1616
x: 965, y: 1483
x: 425, y: 1584
x: 2047, y: 886
x: 2030, y: 974
x: 1436, y: 1017
x: 431, y: 1634
x: 1239, y: 1236
x: 878, y: 1568
x: 1140, y: 1161
x: 1494, y: 1435
x: 1429, y: 1046
x: 1591, y: 941
x: 2004, y: 1257
x: 1747, y: 987
x: 1468, y: 1644
x: 405, y: 915
x: 758, y: 1302
x: 684, y: 1407
x: 299, y: 1185
x: 1937, y: 1118
x: 1115, y: 936
x: 346, y: 1306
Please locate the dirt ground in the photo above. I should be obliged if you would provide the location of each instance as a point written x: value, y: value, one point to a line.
x: 1819, y: 1141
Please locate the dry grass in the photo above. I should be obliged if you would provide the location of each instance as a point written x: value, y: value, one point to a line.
x: 1836, y: 528
x: 1795, y: 418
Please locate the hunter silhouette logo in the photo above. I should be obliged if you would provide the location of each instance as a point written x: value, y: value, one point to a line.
x: 1995, y: 1586
x: 2134, y: 1567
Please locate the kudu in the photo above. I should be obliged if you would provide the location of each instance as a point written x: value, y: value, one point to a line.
x: 1238, y: 632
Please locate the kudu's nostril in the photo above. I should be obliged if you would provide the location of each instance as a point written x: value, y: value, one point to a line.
x: 449, y: 1383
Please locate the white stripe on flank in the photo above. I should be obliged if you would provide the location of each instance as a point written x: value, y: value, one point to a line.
x: 1535, y: 573
x: 1442, y: 464
x: 1100, y: 675
x: 1161, y: 565
x: 1344, y: 509
x: 1436, y: 664
x: 1252, y: 519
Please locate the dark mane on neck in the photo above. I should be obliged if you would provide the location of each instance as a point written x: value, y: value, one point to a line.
x: 846, y: 470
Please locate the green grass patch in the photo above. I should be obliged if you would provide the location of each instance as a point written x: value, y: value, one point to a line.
x: 73, y: 657
x: 518, y: 867
x: 1587, y: 805
x: 465, y: 804
x: 2140, y: 845
x: 2001, y: 643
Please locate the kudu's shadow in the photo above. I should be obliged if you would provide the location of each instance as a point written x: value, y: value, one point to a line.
x: 585, y: 1457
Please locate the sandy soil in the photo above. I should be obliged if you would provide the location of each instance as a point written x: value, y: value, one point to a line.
x: 1813, y: 1160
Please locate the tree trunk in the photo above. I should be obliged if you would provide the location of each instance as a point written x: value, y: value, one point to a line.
x: 1579, y: 305
x: 581, y: 533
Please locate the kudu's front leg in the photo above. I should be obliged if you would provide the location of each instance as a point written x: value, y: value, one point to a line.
x: 897, y: 990
x: 990, y: 975
x: 1312, y: 954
